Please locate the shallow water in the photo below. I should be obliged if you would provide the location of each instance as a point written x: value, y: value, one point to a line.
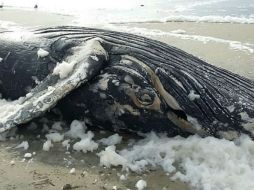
x: 143, y: 10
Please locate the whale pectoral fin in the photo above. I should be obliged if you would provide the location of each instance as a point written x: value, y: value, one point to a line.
x: 87, y: 60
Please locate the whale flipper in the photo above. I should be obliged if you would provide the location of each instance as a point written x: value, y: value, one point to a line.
x: 87, y: 60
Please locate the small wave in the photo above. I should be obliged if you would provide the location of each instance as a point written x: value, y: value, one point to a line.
x: 213, y: 19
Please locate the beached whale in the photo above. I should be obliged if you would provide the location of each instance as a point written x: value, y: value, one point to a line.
x: 119, y: 81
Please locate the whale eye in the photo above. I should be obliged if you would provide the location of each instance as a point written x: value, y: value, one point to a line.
x: 145, y: 97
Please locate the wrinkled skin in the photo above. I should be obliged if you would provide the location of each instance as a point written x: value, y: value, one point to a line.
x: 143, y: 85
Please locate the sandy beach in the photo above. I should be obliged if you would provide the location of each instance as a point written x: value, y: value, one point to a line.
x: 51, y: 170
x: 212, y: 42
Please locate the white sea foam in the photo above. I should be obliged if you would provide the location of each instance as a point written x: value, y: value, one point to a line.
x: 141, y: 184
x: 47, y: 145
x: 55, y: 137
x: 23, y: 145
x: 210, y: 18
x: 198, y: 158
x: 111, y: 140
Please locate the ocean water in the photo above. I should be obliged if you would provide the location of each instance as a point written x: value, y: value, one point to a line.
x: 109, y: 11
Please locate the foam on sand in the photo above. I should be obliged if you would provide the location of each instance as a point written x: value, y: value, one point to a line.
x: 199, y: 158
x: 86, y: 143
x: 47, y: 145
x: 23, y: 145
x: 55, y: 137
x: 111, y: 140
x: 141, y: 184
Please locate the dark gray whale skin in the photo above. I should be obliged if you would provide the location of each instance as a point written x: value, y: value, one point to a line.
x: 138, y: 87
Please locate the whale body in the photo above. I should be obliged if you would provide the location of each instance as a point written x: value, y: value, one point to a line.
x: 120, y: 81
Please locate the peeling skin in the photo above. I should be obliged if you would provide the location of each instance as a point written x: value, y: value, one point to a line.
x: 131, y: 93
x: 126, y: 62
x: 116, y: 110
x: 172, y: 77
x: 200, y: 86
x: 185, y: 125
x: 130, y: 71
x: 171, y: 101
x: 128, y: 79
x: 103, y: 84
x: 123, y: 108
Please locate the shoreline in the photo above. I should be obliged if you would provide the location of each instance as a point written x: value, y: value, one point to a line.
x: 229, y: 46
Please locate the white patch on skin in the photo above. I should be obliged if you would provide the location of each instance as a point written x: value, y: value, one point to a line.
x: 192, y: 96
x: 103, y: 96
x: 128, y: 79
x: 191, y: 77
x: 35, y: 79
x: 94, y: 57
x: 231, y: 108
x: 194, y: 122
x: 103, y: 84
x: 1, y: 59
x: 179, y: 83
x: 116, y: 82
x: 125, y: 62
x: 128, y: 70
x: 121, y: 109
x: 42, y: 53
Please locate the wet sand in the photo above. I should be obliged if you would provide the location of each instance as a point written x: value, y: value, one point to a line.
x: 49, y: 170
x: 33, y: 18
x: 217, y: 52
